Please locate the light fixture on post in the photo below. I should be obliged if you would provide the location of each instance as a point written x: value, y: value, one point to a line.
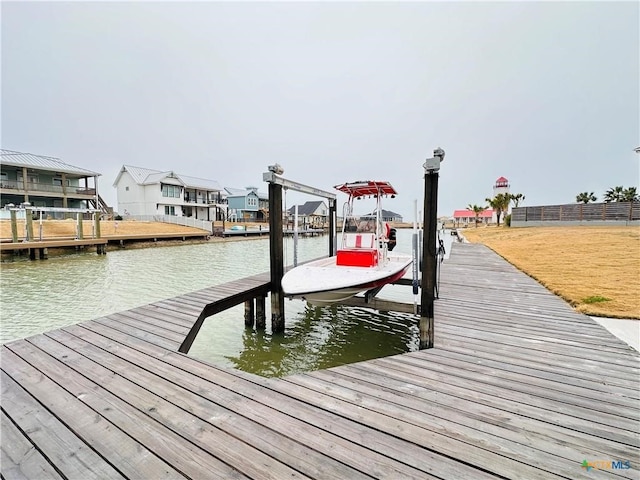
x: 276, y: 168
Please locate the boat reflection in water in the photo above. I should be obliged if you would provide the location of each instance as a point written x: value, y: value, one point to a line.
x: 322, y: 337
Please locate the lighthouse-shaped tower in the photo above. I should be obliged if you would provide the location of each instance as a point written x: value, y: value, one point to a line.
x: 501, y: 186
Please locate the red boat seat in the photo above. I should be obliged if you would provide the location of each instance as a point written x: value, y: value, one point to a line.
x: 357, y: 257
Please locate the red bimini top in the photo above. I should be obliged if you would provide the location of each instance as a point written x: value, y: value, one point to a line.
x: 366, y: 187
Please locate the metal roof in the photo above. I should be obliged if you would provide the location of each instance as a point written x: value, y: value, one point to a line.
x: 307, y: 208
x: 487, y: 213
x: 243, y: 192
x: 147, y: 176
x: 41, y: 162
x: 385, y: 214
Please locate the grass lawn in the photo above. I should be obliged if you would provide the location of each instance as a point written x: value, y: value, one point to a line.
x: 595, y: 269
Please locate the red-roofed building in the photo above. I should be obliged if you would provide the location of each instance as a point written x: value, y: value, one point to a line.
x: 501, y: 186
x: 467, y: 217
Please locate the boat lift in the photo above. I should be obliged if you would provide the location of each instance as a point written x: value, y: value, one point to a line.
x: 276, y: 184
x: 429, y: 250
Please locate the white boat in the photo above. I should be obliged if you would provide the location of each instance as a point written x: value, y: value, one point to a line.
x: 364, y: 260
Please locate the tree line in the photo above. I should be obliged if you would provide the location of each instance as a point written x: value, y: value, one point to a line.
x: 499, y: 203
x: 614, y: 194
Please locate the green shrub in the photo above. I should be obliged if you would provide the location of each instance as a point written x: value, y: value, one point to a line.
x: 507, y: 220
x: 596, y: 299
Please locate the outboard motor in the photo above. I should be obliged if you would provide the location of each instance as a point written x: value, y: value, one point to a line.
x: 392, y: 239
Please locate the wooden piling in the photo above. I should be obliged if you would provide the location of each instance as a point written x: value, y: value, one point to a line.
x: 277, y: 257
x: 260, y: 311
x: 80, y: 234
x: 332, y: 227
x: 14, y: 226
x: 29, y: 222
x: 429, y: 259
x: 96, y: 223
x: 249, y: 313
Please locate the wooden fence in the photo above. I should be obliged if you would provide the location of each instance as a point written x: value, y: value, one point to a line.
x: 577, y: 212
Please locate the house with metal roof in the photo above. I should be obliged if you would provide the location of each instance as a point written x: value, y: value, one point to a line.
x: 143, y: 191
x: 44, y: 181
x: 468, y: 217
x: 310, y: 214
x: 386, y: 216
x: 247, y: 204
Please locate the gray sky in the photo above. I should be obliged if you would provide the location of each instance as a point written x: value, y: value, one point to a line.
x: 545, y: 93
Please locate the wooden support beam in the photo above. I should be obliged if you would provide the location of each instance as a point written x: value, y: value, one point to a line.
x: 249, y: 313
x: 332, y: 227
x: 261, y: 316
x: 429, y: 259
x: 277, y: 257
x: 14, y: 226
x: 29, y: 219
x: 96, y: 224
x: 80, y: 234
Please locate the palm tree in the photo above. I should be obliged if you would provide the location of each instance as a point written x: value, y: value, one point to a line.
x: 477, y: 210
x: 586, y: 197
x: 500, y: 203
x: 631, y: 195
x: 615, y: 194
x: 517, y: 198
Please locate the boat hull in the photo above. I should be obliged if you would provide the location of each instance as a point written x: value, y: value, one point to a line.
x: 323, y: 282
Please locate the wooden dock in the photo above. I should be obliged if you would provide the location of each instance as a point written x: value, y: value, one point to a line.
x: 52, y: 243
x: 517, y: 386
x: 39, y: 248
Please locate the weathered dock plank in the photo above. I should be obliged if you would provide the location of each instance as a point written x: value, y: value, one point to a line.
x: 518, y: 386
x: 19, y: 458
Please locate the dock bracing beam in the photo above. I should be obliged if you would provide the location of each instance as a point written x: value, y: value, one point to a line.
x: 431, y: 169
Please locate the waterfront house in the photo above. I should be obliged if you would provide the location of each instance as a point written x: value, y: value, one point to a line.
x: 143, y: 191
x: 386, y: 216
x: 45, y: 181
x: 310, y: 214
x: 247, y: 204
x: 467, y: 217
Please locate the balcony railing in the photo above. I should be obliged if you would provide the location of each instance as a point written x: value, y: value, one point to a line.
x: 46, y: 187
x: 204, y: 201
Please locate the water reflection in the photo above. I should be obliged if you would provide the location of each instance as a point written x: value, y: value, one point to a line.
x: 323, y: 337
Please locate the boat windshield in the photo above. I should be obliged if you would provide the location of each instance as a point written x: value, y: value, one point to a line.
x: 362, y: 225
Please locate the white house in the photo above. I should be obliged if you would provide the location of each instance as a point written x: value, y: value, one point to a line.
x: 143, y: 191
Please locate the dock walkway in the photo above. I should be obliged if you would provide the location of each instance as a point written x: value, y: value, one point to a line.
x: 517, y: 386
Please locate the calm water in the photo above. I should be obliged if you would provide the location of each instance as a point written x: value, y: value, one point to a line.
x: 37, y: 296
